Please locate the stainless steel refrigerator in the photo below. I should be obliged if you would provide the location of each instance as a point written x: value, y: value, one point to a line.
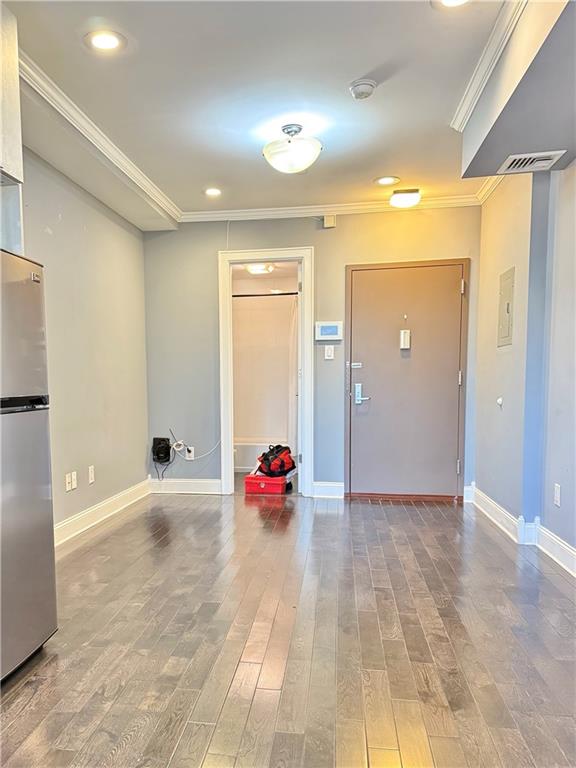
x: 28, y: 607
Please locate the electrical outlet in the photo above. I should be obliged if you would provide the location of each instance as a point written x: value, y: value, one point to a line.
x: 68, y: 482
x: 91, y: 476
x: 189, y: 455
x: 557, y: 494
x: 329, y: 352
x: 74, y: 480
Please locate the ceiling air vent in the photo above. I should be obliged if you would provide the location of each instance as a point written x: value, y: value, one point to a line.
x: 530, y: 162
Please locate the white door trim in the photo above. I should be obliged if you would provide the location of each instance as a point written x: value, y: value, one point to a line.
x: 305, y: 256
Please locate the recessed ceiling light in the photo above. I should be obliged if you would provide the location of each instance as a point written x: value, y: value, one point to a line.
x: 212, y: 192
x: 259, y: 269
x: 405, y: 198
x: 387, y: 181
x: 448, y: 3
x: 105, y: 40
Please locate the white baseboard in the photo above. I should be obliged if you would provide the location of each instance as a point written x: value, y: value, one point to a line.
x: 526, y: 533
x: 186, y: 485
x: 558, y: 549
x: 469, y: 492
x: 321, y: 490
x: 77, y: 524
x: 500, y: 516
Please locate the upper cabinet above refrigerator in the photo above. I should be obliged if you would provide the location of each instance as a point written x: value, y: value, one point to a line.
x: 11, y: 139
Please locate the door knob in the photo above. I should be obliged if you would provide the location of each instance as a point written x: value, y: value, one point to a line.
x: 358, y: 398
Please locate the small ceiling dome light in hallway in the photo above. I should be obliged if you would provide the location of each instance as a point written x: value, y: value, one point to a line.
x: 104, y: 40
x: 212, y: 192
x: 405, y: 198
x: 294, y: 153
x: 387, y: 181
x: 259, y: 269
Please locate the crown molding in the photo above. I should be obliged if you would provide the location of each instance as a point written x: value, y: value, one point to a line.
x: 502, y: 30
x: 488, y: 187
x: 44, y: 86
x: 48, y: 90
x: 336, y: 209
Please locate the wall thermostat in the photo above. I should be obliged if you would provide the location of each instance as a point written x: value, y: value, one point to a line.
x: 329, y: 330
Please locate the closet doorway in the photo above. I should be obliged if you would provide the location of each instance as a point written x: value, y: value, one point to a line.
x: 266, y: 359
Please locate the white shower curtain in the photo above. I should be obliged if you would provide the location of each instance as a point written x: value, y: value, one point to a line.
x: 265, y: 332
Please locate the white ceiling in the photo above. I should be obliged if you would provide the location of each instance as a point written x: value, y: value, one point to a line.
x: 187, y: 99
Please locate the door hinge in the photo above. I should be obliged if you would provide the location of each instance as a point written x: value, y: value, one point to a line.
x: 457, y: 466
x: 299, y: 458
x: 463, y: 286
x: 459, y: 378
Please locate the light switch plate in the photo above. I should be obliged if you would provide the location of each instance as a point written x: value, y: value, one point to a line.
x: 91, y: 474
x: 329, y: 352
x: 557, y: 494
x: 74, y: 480
x: 68, y: 480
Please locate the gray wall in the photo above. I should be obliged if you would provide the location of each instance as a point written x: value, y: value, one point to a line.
x: 182, y: 314
x: 96, y: 343
x: 560, y: 453
x: 500, y: 372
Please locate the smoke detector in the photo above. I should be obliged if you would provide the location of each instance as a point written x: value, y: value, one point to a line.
x: 530, y: 162
x: 362, y: 88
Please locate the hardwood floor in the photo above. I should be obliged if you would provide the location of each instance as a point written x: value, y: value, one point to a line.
x: 287, y: 632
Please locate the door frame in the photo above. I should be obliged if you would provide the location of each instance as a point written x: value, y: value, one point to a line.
x: 305, y: 257
x: 350, y: 269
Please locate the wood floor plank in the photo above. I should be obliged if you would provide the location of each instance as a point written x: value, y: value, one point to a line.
x: 294, y: 696
x: 192, y: 746
x: 447, y: 753
x: 438, y: 716
x: 218, y: 761
x: 287, y: 750
x: 370, y: 641
x: 351, y: 744
x: 171, y: 724
x: 378, y: 714
x: 230, y: 725
x: 257, y: 739
x: 412, y: 737
x: 384, y: 758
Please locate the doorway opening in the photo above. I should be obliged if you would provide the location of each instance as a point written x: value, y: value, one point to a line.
x: 265, y: 301
x: 405, y: 376
x: 266, y: 359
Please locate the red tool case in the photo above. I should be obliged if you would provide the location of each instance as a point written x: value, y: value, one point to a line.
x: 264, y: 484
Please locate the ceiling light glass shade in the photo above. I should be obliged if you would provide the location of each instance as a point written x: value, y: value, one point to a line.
x: 387, y: 181
x: 259, y: 269
x: 294, y: 153
x: 405, y: 198
x: 213, y: 192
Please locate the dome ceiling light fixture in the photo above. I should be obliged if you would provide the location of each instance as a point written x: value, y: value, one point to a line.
x: 405, y: 198
x: 294, y: 153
